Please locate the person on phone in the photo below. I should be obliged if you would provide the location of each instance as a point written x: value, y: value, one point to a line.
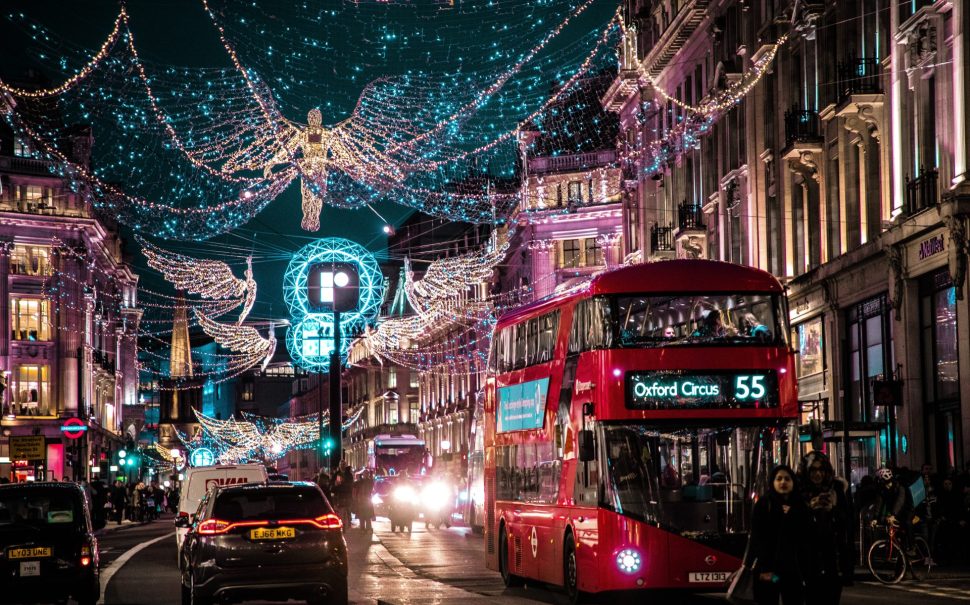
x: 831, y: 535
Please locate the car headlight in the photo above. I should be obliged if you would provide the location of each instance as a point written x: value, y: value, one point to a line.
x: 405, y: 493
x: 435, y: 496
x: 628, y: 560
x: 376, y: 499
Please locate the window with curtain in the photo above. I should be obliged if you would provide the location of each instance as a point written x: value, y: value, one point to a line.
x: 31, y: 390
x: 29, y: 319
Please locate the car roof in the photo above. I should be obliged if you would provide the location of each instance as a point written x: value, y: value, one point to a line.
x: 269, y: 485
x: 44, y: 484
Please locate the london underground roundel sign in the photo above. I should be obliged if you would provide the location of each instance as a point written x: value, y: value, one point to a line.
x: 74, y: 428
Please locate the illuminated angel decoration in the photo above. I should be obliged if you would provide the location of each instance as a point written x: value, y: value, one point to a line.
x: 244, y: 340
x: 316, y: 150
x: 212, y: 279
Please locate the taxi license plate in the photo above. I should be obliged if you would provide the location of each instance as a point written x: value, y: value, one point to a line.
x: 273, y: 533
x: 29, y: 553
x: 704, y: 577
x: 29, y: 568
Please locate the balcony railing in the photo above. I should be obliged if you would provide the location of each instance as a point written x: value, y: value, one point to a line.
x: 662, y: 238
x: 858, y: 77
x: 574, y: 162
x: 104, y: 360
x: 690, y: 216
x: 801, y: 126
x: 923, y: 191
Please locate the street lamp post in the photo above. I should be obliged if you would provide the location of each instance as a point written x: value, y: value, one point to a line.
x: 336, y: 407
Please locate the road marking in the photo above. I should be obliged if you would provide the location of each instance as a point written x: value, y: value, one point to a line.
x: 118, y: 563
x: 933, y: 591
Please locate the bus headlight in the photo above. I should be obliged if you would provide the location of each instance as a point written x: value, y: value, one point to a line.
x: 628, y: 560
x: 376, y: 499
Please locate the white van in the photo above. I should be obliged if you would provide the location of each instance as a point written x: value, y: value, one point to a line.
x: 201, y: 479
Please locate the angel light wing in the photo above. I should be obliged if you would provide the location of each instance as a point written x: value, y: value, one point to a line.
x: 241, y: 339
x: 206, y: 277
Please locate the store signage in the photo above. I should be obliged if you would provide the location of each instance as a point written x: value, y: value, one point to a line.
x: 522, y: 407
x: 74, y: 428
x: 28, y: 447
x: 931, y: 247
x: 665, y: 390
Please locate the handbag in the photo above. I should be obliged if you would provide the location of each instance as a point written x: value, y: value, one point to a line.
x: 741, y: 588
x: 741, y: 583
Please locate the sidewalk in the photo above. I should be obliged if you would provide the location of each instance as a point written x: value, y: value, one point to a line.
x: 112, y: 526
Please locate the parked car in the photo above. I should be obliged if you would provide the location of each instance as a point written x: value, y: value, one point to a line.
x: 48, y: 551
x: 201, y: 479
x: 270, y: 541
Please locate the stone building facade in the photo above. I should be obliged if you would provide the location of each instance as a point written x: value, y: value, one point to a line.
x: 842, y: 170
x: 68, y: 317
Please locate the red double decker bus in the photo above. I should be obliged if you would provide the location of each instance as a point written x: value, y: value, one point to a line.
x: 628, y: 424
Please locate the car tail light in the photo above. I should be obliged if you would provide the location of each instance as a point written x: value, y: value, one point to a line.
x: 212, y: 527
x: 328, y: 521
x: 87, y: 549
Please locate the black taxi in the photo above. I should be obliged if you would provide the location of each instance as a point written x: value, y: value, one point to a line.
x: 48, y: 551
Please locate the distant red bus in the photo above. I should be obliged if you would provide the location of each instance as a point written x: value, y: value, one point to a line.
x: 628, y: 424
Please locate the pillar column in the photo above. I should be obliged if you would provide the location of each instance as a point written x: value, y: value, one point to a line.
x: 961, y: 84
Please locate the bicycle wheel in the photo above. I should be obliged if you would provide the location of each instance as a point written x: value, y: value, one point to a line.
x: 887, y: 562
x: 922, y: 562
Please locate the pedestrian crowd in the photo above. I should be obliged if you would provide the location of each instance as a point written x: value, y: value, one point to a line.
x: 807, y: 526
x: 350, y: 496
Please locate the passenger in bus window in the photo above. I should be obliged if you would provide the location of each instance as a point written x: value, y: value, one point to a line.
x: 755, y: 329
x: 670, y: 332
x: 712, y: 326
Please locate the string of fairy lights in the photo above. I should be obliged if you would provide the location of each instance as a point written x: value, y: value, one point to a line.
x: 255, y: 437
x: 202, y: 151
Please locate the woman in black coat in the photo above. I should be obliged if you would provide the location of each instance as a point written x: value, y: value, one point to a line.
x: 779, y: 547
x: 831, y: 530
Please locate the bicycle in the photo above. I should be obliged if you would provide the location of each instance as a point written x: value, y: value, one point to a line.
x: 888, y: 560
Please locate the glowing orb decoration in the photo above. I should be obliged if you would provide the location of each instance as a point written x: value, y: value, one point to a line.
x: 202, y: 457
x: 321, y: 276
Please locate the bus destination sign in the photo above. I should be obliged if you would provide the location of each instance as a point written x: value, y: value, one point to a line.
x: 522, y: 407
x: 678, y: 390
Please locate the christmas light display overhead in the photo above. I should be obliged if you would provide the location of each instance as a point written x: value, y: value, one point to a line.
x: 256, y: 437
x: 309, y: 288
x: 212, y: 279
x: 201, y: 150
x: 244, y: 340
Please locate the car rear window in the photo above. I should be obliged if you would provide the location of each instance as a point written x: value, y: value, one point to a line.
x: 272, y: 503
x: 39, y: 507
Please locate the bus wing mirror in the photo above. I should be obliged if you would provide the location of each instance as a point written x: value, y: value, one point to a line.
x: 587, y: 446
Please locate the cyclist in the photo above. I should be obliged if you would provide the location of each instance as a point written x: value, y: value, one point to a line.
x: 894, y: 506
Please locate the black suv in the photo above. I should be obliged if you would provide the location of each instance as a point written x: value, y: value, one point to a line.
x: 48, y: 551
x: 267, y: 541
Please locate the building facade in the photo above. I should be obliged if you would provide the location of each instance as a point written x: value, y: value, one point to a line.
x: 68, y: 318
x: 825, y: 142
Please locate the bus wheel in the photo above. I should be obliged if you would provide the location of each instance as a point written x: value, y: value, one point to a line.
x: 508, y: 578
x: 570, y: 572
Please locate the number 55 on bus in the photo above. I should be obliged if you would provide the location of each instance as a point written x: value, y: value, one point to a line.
x: 627, y: 426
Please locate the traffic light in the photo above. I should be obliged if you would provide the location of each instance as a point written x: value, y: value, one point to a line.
x: 328, y: 444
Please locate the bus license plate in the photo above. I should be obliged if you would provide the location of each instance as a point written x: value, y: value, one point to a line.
x: 29, y: 553
x: 274, y: 533
x: 707, y: 577
x: 29, y: 568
